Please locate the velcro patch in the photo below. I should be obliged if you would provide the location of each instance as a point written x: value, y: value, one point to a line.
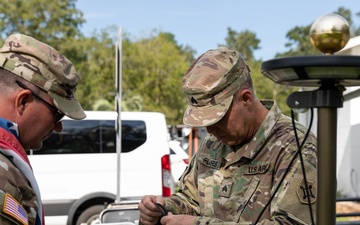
x: 302, y: 193
x: 256, y: 169
x: 212, y: 163
x: 13, y: 209
x: 225, y: 189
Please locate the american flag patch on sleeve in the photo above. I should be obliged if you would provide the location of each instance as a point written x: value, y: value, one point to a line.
x: 13, y: 208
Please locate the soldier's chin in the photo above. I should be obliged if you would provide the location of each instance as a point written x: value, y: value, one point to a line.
x: 228, y: 142
x: 37, y: 146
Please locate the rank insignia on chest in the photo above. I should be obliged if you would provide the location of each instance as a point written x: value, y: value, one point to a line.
x: 225, y: 189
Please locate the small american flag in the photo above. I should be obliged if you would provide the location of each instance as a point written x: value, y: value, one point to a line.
x: 14, y: 209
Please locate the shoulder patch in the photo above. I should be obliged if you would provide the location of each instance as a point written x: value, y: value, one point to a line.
x: 14, y: 210
x: 303, y: 194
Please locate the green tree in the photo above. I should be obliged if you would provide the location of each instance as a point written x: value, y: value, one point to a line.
x: 94, y: 58
x: 299, y: 43
x: 346, y: 13
x: 54, y: 21
x: 246, y: 42
x: 57, y: 23
x: 299, y: 40
x: 131, y: 102
x: 268, y: 89
x: 153, y: 68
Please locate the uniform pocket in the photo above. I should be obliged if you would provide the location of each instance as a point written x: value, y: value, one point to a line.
x: 246, y: 198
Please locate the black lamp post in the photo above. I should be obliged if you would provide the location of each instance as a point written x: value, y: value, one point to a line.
x: 330, y: 73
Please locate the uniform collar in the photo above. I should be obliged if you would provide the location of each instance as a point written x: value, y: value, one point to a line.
x: 250, y: 149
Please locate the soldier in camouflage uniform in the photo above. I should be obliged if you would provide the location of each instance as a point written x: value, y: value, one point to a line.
x: 37, y: 86
x: 249, y: 149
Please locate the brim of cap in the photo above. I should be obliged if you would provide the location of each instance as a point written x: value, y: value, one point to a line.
x: 70, y: 107
x: 207, y: 115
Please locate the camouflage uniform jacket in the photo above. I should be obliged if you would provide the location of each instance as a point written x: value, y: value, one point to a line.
x: 224, y: 185
x: 18, y: 199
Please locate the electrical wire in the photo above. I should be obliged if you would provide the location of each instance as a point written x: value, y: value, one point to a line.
x: 302, y: 163
x: 291, y: 162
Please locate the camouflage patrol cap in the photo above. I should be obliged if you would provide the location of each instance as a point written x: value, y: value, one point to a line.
x: 210, y: 84
x: 45, y: 67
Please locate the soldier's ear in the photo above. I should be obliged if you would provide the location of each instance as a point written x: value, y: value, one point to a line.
x: 246, y: 95
x: 22, y: 101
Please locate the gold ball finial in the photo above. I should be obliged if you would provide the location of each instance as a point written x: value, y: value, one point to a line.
x: 330, y: 33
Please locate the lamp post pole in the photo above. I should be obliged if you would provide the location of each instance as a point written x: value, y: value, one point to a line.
x: 326, y: 99
x: 326, y: 179
x: 332, y: 73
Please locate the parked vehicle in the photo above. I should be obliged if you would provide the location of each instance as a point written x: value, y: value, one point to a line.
x: 77, y: 168
x: 179, y: 160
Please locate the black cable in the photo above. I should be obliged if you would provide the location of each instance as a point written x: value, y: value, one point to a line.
x: 302, y: 164
x: 288, y: 168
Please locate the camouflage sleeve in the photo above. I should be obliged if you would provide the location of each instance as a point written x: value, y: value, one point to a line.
x: 185, y: 201
x: 290, y: 204
x: 6, y: 217
x: 214, y: 221
x: 7, y: 191
x: 18, y: 203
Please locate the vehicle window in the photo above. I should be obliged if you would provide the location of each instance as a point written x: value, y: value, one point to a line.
x: 94, y: 136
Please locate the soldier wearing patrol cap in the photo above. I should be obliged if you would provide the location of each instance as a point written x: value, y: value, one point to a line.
x: 248, y: 151
x: 37, y: 89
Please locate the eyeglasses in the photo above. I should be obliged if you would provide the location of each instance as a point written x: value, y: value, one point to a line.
x: 58, y: 115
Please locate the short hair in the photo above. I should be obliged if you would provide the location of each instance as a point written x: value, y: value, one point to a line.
x: 7, y: 82
x: 248, y: 83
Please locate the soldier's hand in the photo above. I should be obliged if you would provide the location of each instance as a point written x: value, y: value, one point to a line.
x: 149, y: 213
x: 171, y: 219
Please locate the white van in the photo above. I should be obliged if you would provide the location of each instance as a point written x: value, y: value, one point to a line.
x: 77, y: 169
x: 179, y: 160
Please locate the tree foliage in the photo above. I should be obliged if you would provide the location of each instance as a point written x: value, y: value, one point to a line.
x: 267, y: 89
x: 299, y: 43
x: 245, y: 42
x: 152, y: 66
x: 54, y: 21
x: 299, y: 40
x: 95, y: 63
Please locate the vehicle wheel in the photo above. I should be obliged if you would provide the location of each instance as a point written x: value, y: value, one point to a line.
x: 90, y: 214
